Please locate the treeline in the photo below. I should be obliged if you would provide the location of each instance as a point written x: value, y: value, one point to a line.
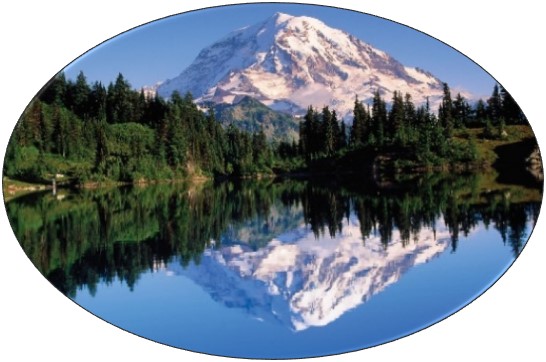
x: 92, y: 132
x: 86, y: 133
x: 414, y: 132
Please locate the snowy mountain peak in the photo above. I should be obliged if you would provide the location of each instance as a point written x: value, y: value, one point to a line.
x: 280, y: 18
x: 290, y: 62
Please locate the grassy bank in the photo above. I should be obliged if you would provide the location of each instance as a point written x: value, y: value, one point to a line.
x: 14, y: 188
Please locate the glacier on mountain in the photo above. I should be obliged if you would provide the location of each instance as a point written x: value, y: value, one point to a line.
x: 290, y: 63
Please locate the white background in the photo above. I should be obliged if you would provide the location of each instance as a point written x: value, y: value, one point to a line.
x: 38, y: 38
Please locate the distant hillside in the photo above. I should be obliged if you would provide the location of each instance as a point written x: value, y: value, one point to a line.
x: 250, y: 115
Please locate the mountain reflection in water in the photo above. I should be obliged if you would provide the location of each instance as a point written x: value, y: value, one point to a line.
x: 301, y: 253
x: 303, y: 282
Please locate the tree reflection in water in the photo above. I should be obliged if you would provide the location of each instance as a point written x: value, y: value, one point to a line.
x: 79, y: 239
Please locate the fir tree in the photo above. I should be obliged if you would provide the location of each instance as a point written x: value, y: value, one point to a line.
x: 461, y: 111
x: 342, y: 140
x: 80, y: 96
x: 328, y: 131
x: 445, y: 112
x: 480, y: 115
x: 396, y: 132
x: 378, y: 119
x: 97, y: 101
x: 55, y: 91
x: 511, y: 112
x: 101, y: 147
x: 358, y: 130
x: 494, y: 106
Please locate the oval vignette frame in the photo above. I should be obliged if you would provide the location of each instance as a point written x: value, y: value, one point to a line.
x: 364, y: 39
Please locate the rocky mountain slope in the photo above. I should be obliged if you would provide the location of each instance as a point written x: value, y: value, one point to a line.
x: 288, y: 63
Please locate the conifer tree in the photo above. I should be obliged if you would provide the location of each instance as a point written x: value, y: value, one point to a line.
x: 336, y: 130
x: 397, y: 120
x: 358, y: 129
x: 59, y: 132
x: 55, y: 91
x: 304, y: 132
x: 328, y: 132
x: 311, y: 133
x: 511, y: 112
x: 480, y: 115
x: 119, y: 108
x: 378, y: 119
x: 342, y: 140
x: 445, y: 112
x: 97, y: 101
x: 494, y: 106
x: 101, y: 147
x: 461, y: 111
x: 410, y: 120
x: 80, y: 96
x: 176, y: 146
x: 260, y: 149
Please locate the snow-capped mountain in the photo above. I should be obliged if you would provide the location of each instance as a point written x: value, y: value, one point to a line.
x: 303, y: 282
x: 289, y: 63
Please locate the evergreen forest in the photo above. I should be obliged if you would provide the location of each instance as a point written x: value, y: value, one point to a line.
x: 81, y: 133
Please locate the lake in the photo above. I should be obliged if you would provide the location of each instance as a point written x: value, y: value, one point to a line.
x: 277, y: 268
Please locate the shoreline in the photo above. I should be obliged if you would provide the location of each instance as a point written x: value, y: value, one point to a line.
x: 13, y: 189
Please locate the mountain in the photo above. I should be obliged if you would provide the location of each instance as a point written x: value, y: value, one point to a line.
x: 288, y: 63
x: 300, y: 282
x: 251, y: 115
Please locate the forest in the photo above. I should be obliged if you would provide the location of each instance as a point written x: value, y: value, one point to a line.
x: 81, y: 133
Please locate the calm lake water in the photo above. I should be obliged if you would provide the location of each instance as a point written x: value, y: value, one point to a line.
x: 274, y: 269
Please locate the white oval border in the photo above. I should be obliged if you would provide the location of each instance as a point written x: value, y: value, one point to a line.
x: 39, y: 38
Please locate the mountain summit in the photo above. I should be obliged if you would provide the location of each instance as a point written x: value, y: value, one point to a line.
x: 289, y: 63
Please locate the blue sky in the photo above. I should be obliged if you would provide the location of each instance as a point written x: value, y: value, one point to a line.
x: 162, y: 49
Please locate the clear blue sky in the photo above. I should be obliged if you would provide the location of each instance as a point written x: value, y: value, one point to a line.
x: 162, y: 49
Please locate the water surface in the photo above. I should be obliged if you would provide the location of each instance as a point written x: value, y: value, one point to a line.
x: 277, y: 268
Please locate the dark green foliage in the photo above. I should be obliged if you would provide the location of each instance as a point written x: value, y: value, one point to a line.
x: 79, y: 96
x: 501, y: 110
x: 120, y: 102
x: 378, y: 121
x: 131, y: 144
x: 97, y: 101
x: 239, y: 155
x: 511, y: 112
x: 462, y: 112
x: 397, y: 130
x: 120, y: 233
x: 101, y: 147
x: 342, y: 139
x: 488, y: 130
x: 330, y: 131
x: 445, y: 113
x: 93, y: 133
x: 176, y: 142
x: 321, y: 134
x: 360, y: 128
x: 494, y: 106
x: 261, y: 152
x: 55, y: 90
x: 116, y: 133
x: 480, y: 115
